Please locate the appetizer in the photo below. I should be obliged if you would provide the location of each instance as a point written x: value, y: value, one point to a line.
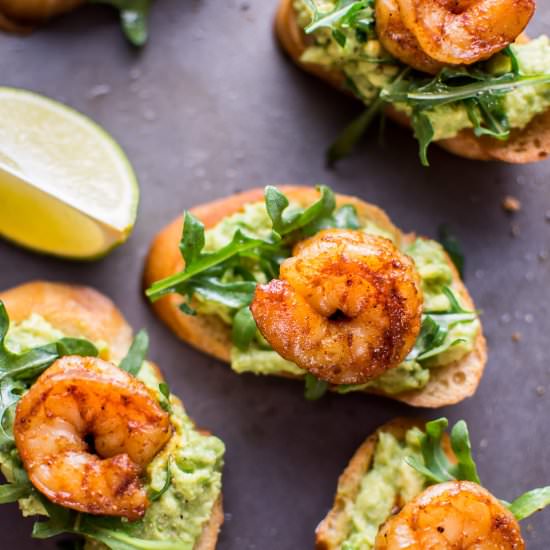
x: 90, y: 436
x: 460, y: 73
x: 21, y: 16
x: 322, y: 287
x: 412, y: 486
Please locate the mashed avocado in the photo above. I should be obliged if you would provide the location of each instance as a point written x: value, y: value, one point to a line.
x: 389, y: 481
x: 360, y: 61
x: 436, y: 275
x: 194, y: 460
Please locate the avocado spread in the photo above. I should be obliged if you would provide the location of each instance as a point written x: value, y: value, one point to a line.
x: 436, y: 275
x: 366, y: 65
x: 191, y: 460
x: 389, y: 480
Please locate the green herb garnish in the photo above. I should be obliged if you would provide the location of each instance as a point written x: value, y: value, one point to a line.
x: 453, y: 248
x: 136, y: 354
x: 354, y: 15
x: 315, y: 388
x: 436, y: 325
x: 133, y: 18
x: 437, y: 468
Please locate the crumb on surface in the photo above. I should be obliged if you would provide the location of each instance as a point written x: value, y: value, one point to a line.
x: 511, y: 204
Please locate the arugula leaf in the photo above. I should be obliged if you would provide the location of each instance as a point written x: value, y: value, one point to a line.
x: 192, y: 241
x: 435, y: 466
x: 462, y: 448
x: 441, y: 90
x: 436, y: 326
x: 241, y: 242
x: 155, y: 495
x: 164, y: 390
x: 286, y: 221
x: 350, y: 136
x: 244, y: 328
x: 347, y: 14
x: 133, y: 18
x: 115, y: 533
x: 530, y: 502
x: 453, y: 248
x: 344, y: 144
x: 424, y: 133
x: 509, y: 52
x: 136, y: 354
x: 11, y: 492
x: 233, y: 295
x: 315, y: 388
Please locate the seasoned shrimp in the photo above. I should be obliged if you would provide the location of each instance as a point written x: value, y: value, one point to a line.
x: 346, y: 308
x: 430, y: 34
x: 85, y: 431
x: 457, y: 515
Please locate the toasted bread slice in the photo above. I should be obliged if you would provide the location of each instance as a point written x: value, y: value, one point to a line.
x: 531, y: 144
x: 80, y: 311
x: 333, y: 530
x: 208, y: 333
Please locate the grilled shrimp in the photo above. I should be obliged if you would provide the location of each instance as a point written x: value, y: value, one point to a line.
x: 85, y: 432
x: 346, y: 308
x: 430, y: 34
x: 457, y: 515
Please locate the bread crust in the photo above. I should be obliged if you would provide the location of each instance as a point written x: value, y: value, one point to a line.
x: 81, y: 311
x: 332, y: 530
x: 447, y: 385
x: 530, y: 144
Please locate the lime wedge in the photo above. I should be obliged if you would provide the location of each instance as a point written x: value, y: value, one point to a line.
x: 66, y: 186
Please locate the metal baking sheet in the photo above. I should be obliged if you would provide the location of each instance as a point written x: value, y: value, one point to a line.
x: 211, y: 107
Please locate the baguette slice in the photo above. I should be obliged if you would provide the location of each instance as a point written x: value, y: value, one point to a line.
x: 332, y: 531
x: 531, y: 144
x: 82, y: 312
x: 447, y: 385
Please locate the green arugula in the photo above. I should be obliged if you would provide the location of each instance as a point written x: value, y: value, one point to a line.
x: 115, y: 533
x: 155, y: 495
x: 244, y: 328
x: 354, y: 15
x: 136, y: 354
x: 437, y: 468
x: 480, y: 92
x: 133, y: 18
x: 314, y: 388
x: 453, y: 248
x: 435, y: 328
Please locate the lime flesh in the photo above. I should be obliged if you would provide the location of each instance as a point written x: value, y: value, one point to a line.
x: 66, y: 187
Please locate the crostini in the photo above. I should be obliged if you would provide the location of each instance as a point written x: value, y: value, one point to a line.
x: 306, y: 284
x: 410, y: 485
x: 91, y: 437
x: 461, y: 74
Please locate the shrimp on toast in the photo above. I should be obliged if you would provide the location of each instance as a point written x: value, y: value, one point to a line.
x: 346, y: 307
x: 414, y: 486
x: 83, y: 398
x: 457, y: 515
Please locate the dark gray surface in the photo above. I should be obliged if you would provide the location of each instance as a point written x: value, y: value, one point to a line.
x: 211, y: 107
